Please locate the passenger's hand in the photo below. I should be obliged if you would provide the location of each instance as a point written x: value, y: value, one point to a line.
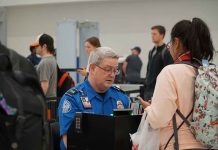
x: 143, y: 102
x: 135, y: 147
x: 82, y: 71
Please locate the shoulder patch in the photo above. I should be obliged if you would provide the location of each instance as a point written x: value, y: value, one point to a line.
x: 66, y: 106
x: 71, y: 92
x: 118, y: 89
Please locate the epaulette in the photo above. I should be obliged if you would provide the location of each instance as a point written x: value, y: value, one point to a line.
x: 72, y: 91
x: 118, y: 89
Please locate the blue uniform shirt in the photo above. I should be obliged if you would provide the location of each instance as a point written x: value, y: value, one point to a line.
x: 71, y: 103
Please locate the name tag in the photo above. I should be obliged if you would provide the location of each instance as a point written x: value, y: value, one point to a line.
x: 86, y: 103
x: 120, y: 104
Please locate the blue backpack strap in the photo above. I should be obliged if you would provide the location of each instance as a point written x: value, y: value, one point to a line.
x: 205, y: 62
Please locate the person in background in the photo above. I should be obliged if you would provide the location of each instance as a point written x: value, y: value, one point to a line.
x: 190, y: 40
x: 33, y: 58
x: 96, y: 94
x: 90, y: 44
x: 47, y: 68
x: 132, y: 66
x: 158, y: 58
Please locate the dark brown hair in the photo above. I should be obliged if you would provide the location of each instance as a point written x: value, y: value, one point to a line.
x: 195, y: 37
x: 161, y: 29
x: 94, y: 41
x: 48, y: 41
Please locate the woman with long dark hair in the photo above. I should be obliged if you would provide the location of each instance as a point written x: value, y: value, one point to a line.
x: 190, y: 40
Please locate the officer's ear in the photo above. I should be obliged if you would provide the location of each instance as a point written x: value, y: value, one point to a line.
x: 91, y: 67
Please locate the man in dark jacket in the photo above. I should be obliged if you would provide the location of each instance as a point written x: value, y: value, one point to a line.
x: 158, y: 58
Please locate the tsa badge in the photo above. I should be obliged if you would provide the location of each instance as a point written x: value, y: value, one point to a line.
x: 120, y: 104
x: 66, y: 106
x: 86, y: 102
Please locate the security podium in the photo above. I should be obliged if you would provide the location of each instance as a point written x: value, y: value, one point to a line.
x: 101, y: 132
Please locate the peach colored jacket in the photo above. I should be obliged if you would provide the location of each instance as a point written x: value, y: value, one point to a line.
x: 174, y: 89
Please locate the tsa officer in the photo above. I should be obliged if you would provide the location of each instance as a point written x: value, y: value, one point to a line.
x: 96, y: 94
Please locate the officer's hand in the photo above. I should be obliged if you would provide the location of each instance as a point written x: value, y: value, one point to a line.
x: 143, y: 103
x: 82, y: 71
x: 135, y: 147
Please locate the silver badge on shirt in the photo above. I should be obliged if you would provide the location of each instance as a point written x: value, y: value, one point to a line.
x: 120, y: 104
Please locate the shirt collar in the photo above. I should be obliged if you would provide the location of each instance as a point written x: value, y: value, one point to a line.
x: 89, y: 90
x: 91, y: 93
x: 160, y: 47
x: 184, y: 57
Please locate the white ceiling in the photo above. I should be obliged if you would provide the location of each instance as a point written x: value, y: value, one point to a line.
x: 7, y: 3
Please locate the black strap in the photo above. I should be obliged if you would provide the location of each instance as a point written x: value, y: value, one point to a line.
x: 176, y: 144
x: 183, y: 117
x: 186, y: 118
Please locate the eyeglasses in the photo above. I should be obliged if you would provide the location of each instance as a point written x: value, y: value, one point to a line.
x: 109, y: 70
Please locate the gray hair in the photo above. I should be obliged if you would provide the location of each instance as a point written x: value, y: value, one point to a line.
x: 100, y: 53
